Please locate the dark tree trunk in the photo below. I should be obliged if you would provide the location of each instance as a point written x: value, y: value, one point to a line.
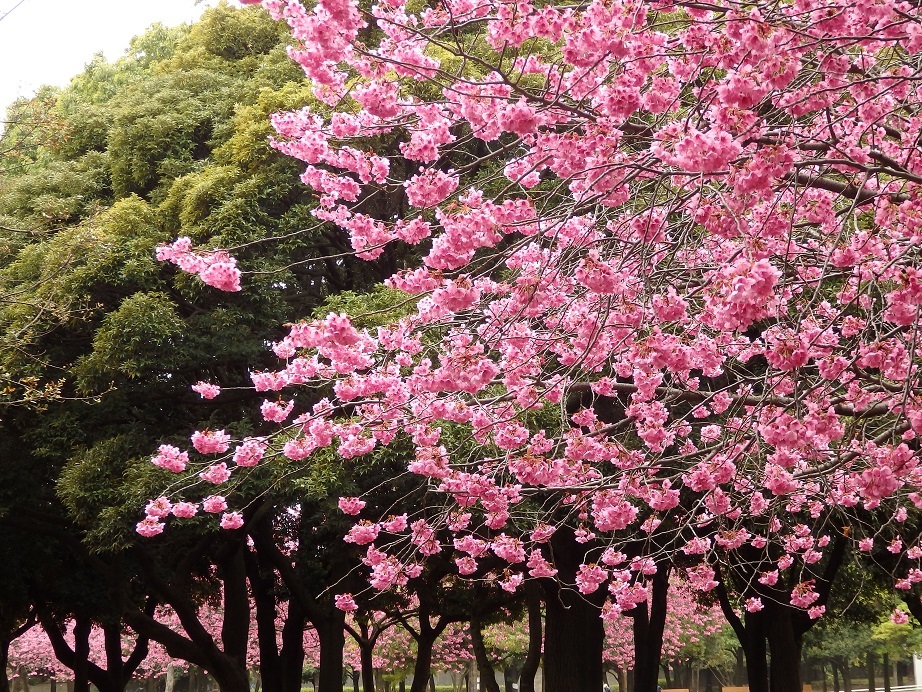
x: 573, y: 632
x: 279, y: 669
x: 332, y: 636
x: 885, y: 665
x: 236, y: 625
x: 262, y: 588
x: 784, y: 645
x: 228, y: 665
x: 573, y: 641
x: 511, y: 675
x: 872, y: 683
x: 4, y: 662
x: 750, y: 631
x: 533, y: 655
x: 648, y: 634
x: 230, y: 671
x: 81, y: 666
x: 755, y: 650
x: 487, y: 674
x: 291, y: 656
x: 112, y: 640
x: 423, y: 666
x: 365, y: 635
x: 366, y: 655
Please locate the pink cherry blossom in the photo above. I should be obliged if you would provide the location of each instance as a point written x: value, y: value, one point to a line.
x: 345, y: 602
x: 211, y: 442
x: 217, y: 474
x: 668, y: 290
x: 350, y: 505
x: 231, y: 520
x: 276, y: 411
x: 158, y: 508
x: 149, y: 527
x: 206, y: 389
x: 250, y: 451
x: 185, y: 510
x: 899, y: 617
x: 171, y: 458
x: 214, y: 504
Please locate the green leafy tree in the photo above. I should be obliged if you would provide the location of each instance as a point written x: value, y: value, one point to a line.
x: 168, y: 140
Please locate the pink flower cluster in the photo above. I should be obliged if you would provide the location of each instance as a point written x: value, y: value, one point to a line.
x: 217, y: 269
x: 718, y: 243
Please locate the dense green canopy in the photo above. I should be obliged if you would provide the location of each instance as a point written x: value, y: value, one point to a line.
x: 100, y: 342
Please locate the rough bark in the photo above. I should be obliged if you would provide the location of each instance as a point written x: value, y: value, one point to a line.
x: 262, y: 588
x: 228, y: 665
x: 291, y: 655
x: 81, y: 658
x: 422, y: 668
x: 270, y: 665
x: 366, y: 651
x: 332, y: 638
x: 535, y: 626
x: 236, y: 624
x: 648, y: 634
x: 573, y: 631
x: 327, y: 620
x: 784, y: 644
x: 750, y: 631
x: 487, y: 673
x: 572, y: 642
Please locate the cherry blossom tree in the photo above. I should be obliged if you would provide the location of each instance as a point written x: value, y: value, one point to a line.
x: 687, y: 622
x: 31, y: 654
x: 667, y: 307
x: 365, y: 628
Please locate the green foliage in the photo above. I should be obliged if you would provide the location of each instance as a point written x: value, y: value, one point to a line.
x: 850, y: 640
x: 134, y: 338
x: 100, y: 487
x: 897, y: 640
x: 716, y: 651
x: 169, y: 140
x: 379, y: 307
x: 56, y: 192
x: 28, y: 126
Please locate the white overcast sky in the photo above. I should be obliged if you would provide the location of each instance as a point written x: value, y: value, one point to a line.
x: 50, y: 41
